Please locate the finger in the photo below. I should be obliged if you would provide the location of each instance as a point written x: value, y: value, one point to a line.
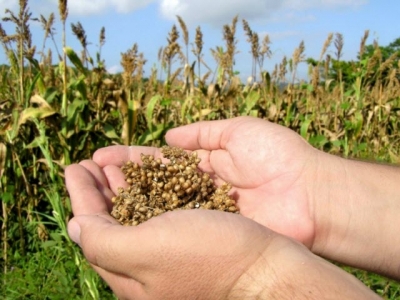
x: 103, y: 180
x: 208, y: 135
x: 110, y: 247
x: 118, y: 155
x: 154, y: 246
x: 115, y: 178
x: 83, y: 190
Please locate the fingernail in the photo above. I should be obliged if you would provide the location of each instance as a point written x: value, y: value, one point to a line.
x: 74, y: 231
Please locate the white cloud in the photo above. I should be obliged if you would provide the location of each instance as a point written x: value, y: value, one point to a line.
x: 323, y: 4
x: 212, y: 11
x: 222, y: 11
x: 7, y: 4
x: 90, y: 7
x: 114, y: 69
x: 79, y: 7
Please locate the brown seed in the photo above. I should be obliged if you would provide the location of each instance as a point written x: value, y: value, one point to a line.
x: 115, y: 214
x: 175, y: 204
x: 160, y: 184
x: 177, y: 187
x: 232, y: 209
x: 209, y: 205
x: 186, y: 184
x: 167, y: 186
x: 205, y: 177
x: 143, y: 209
x: 229, y: 202
x: 174, y: 197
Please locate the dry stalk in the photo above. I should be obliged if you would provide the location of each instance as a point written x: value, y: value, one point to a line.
x: 325, y: 47
x: 298, y: 56
x: 229, y: 37
x: 185, y: 37
x: 282, y: 70
x: 80, y: 33
x: 339, y: 46
x: 63, y: 10
x: 265, y: 51
x: 171, y: 50
x: 362, y: 44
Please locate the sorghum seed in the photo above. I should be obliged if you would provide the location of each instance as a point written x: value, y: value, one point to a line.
x: 143, y: 209
x: 232, y: 209
x: 174, y: 197
x: 160, y: 184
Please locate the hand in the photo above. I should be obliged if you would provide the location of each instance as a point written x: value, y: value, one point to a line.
x: 270, y: 167
x: 195, y: 254
x: 179, y: 255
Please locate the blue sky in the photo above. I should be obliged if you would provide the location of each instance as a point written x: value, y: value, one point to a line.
x: 287, y: 22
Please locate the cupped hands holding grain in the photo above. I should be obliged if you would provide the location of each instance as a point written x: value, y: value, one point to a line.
x: 193, y: 254
x: 269, y: 167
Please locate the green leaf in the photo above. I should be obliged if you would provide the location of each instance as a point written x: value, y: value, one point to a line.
x: 318, y: 141
x: 150, y: 109
x: 251, y: 100
x: 48, y: 244
x: 304, y: 128
x: 151, y: 134
x: 109, y: 131
x: 74, y: 58
x: 36, y: 113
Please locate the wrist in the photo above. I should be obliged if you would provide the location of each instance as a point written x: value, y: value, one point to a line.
x: 356, y: 214
x: 288, y: 270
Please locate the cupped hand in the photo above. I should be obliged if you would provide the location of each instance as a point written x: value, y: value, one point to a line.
x: 178, y: 255
x: 270, y: 167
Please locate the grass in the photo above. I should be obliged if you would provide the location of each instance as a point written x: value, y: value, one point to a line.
x: 54, y: 112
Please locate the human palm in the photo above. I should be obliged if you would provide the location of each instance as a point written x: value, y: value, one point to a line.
x: 269, y: 166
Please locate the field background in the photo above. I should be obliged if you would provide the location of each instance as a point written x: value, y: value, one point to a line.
x: 58, y: 108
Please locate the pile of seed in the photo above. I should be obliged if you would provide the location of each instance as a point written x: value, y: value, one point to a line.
x: 156, y: 187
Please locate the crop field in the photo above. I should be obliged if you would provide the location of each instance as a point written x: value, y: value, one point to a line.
x: 58, y: 108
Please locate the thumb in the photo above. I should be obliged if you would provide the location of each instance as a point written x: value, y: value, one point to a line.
x: 108, y: 245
